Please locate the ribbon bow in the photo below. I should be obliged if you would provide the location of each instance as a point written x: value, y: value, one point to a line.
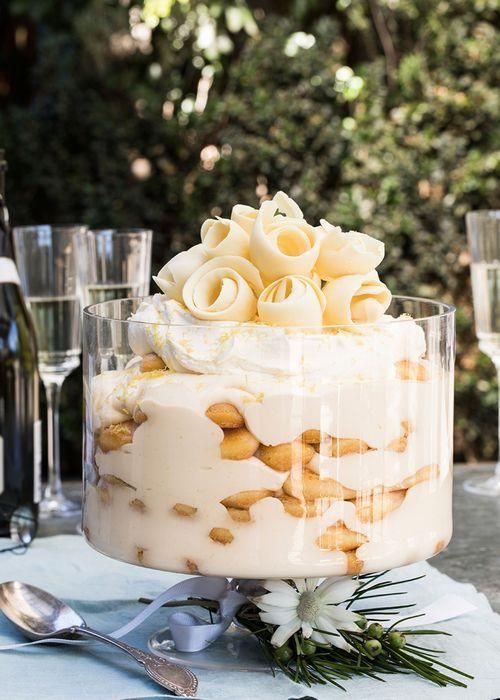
x: 190, y: 632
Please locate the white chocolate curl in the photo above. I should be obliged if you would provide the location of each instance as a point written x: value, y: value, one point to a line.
x: 223, y: 289
x: 287, y: 206
x: 244, y: 216
x: 355, y: 299
x: 173, y: 275
x: 346, y: 253
x: 282, y: 245
x: 224, y: 237
x: 294, y: 300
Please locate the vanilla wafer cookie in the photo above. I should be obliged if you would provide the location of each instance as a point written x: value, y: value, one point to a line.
x: 114, y: 436
x: 221, y: 535
x: 431, y: 471
x: 184, y: 509
x: 375, y: 506
x: 245, y: 499
x: 151, y: 363
x: 225, y: 415
x: 309, y: 509
x: 238, y: 443
x: 407, y: 370
x: 340, y: 447
x: 354, y: 564
x: 239, y: 515
x: 283, y: 457
x: 309, y: 486
x: 340, y: 537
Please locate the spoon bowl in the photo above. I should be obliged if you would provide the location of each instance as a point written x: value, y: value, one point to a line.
x: 36, y: 612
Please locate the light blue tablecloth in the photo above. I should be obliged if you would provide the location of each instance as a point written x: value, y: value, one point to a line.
x: 106, y: 591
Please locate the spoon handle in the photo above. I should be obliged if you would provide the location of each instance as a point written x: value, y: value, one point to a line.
x: 177, y: 679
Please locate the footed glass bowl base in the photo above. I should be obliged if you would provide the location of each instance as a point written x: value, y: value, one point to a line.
x: 235, y: 650
x: 484, y: 483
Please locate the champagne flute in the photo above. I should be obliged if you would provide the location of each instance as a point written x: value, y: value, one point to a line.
x: 117, y: 265
x: 51, y: 281
x: 483, y: 232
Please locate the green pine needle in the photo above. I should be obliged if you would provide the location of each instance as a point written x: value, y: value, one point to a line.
x: 331, y: 665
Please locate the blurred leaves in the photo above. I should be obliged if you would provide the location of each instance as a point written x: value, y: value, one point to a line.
x: 380, y: 115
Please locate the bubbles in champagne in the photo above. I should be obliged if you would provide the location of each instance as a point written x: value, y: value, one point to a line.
x: 486, y: 289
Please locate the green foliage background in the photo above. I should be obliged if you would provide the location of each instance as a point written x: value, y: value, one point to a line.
x: 380, y: 115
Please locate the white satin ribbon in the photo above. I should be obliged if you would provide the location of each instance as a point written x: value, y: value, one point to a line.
x: 445, y: 608
x: 190, y: 633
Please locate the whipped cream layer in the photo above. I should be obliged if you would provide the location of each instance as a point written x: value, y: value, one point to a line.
x: 187, y: 344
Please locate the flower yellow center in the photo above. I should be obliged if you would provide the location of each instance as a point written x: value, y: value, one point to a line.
x: 309, y: 606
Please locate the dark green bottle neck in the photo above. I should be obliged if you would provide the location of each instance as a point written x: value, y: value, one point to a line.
x: 3, y: 170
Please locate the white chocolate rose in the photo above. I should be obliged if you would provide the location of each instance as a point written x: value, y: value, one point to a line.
x: 286, y: 206
x: 223, y: 289
x: 282, y: 245
x: 315, y: 278
x: 224, y: 237
x: 355, y: 299
x: 244, y: 216
x: 294, y: 300
x: 173, y: 275
x: 346, y: 253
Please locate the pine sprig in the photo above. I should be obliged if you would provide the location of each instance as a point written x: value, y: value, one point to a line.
x: 376, y: 650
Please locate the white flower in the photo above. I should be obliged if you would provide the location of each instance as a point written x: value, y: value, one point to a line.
x: 309, y: 607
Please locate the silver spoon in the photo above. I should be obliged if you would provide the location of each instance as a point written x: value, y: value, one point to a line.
x: 42, y: 616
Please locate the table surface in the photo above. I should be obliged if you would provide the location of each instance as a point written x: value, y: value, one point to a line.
x: 73, y: 571
x: 473, y: 555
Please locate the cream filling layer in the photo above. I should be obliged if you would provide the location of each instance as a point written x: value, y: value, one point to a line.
x: 274, y: 544
x: 175, y: 458
x: 276, y: 411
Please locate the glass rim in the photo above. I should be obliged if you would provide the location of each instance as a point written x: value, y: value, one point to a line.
x: 483, y: 213
x: 121, y: 231
x: 36, y: 227
x: 443, y: 310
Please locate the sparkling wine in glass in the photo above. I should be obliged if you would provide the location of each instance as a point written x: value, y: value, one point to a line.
x: 52, y: 282
x: 483, y: 232
x: 117, y: 265
x: 57, y: 323
x: 97, y: 293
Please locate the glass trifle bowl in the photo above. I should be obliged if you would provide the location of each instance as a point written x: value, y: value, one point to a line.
x: 255, y: 450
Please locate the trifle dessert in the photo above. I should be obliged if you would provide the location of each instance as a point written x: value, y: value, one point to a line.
x: 272, y: 412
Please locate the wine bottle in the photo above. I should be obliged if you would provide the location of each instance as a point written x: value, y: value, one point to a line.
x: 20, y: 435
